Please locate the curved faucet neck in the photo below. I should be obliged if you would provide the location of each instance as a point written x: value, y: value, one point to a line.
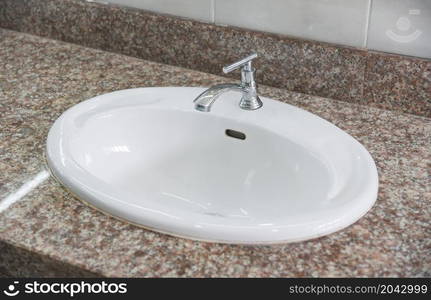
x: 249, y: 100
x: 205, y: 100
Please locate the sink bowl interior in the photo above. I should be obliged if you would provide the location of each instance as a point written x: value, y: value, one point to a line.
x: 146, y: 156
x: 262, y: 177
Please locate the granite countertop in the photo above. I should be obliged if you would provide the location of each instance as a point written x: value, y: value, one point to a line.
x: 40, y: 78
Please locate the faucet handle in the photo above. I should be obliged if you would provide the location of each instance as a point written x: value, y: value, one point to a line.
x: 245, y: 62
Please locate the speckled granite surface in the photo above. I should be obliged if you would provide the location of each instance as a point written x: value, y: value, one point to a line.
x: 354, y: 75
x: 396, y: 81
x: 40, y: 78
x: 19, y: 262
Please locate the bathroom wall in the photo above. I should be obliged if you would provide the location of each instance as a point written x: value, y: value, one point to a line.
x: 396, y: 26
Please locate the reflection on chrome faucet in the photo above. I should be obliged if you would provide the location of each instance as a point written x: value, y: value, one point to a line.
x: 249, y: 101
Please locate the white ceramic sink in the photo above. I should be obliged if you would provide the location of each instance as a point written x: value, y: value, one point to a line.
x: 148, y: 157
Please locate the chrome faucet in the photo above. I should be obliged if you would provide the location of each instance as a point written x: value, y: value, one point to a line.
x: 249, y: 101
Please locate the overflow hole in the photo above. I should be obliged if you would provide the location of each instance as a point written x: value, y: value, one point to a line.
x: 235, y: 134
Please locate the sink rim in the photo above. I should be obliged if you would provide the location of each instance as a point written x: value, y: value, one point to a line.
x: 95, y: 203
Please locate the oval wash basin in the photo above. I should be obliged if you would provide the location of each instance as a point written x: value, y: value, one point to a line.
x: 276, y: 174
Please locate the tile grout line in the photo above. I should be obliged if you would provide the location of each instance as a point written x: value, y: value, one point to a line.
x: 212, y: 12
x: 367, y: 23
x: 24, y: 190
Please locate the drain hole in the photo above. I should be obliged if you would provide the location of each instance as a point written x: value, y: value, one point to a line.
x: 235, y: 134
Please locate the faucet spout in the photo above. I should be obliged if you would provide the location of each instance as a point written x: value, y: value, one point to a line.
x: 205, y: 100
x: 248, y: 87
